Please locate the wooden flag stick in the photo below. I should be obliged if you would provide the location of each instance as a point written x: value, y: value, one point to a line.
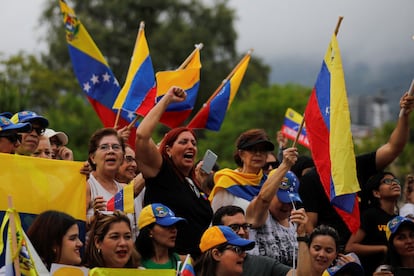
x: 229, y: 76
x: 140, y: 30
x: 12, y: 225
x: 338, y: 24
x: 187, y: 60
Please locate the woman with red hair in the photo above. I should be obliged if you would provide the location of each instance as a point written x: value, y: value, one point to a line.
x: 169, y: 174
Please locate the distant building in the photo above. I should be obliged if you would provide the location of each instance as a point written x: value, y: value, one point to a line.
x: 367, y: 113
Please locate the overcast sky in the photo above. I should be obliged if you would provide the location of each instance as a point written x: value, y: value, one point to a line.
x: 373, y: 31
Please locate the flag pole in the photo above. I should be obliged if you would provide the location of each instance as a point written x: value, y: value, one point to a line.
x: 229, y: 76
x: 338, y: 25
x: 12, y: 225
x: 140, y: 30
x: 410, y: 93
x: 188, y: 59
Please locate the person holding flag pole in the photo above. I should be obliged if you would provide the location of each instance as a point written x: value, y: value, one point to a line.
x: 316, y: 192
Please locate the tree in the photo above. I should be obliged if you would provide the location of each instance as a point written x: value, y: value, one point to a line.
x: 172, y: 29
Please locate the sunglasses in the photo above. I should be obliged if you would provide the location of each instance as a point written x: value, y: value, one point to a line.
x: 13, y: 138
x: 39, y: 130
x: 236, y: 227
x: 274, y: 164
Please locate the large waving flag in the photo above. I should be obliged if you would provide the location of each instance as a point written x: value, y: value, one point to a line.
x: 291, y: 127
x: 122, y: 200
x: 92, y: 71
x: 212, y: 114
x: 187, y: 76
x: 328, y: 125
x: 21, y: 256
x: 140, y: 80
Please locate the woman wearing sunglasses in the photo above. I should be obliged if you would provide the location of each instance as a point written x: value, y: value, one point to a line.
x: 223, y: 252
x: 370, y: 243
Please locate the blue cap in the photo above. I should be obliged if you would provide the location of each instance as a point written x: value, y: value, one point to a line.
x: 6, y: 114
x: 221, y: 234
x: 7, y: 126
x: 351, y: 268
x: 159, y: 214
x: 289, y: 189
x: 395, y: 223
x: 29, y: 117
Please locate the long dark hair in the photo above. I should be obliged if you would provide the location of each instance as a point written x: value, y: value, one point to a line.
x: 373, y: 184
x: 144, y: 243
x: 393, y: 258
x: 46, y: 234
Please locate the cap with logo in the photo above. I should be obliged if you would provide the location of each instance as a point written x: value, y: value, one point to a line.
x: 289, y: 189
x: 394, y: 224
x: 353, y: 268
x: 29, y: 117
x: 6, y: 126
x: 159, y: 214
x: 217, y: 235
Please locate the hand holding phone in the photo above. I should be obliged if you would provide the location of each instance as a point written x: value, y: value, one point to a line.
x: 209, y: 160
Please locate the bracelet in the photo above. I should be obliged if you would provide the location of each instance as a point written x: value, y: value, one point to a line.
x: 302, y: 239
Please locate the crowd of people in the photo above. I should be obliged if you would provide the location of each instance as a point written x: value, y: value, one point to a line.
x: 269, y: 215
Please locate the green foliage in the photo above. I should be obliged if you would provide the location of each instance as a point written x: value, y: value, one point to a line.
x: 257, y: 107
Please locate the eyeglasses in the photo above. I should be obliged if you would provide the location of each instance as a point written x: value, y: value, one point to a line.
x: 237, y: 249
x: 268, y: 164
x: 129, y: 159
x: 106, y: 147
x: 13, y: 138
x: 39, y: 130
x: 390, y: 180
x: 236, y: 227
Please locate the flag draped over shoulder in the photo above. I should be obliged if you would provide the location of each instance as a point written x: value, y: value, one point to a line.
x: 122, y: 200
x: 38, y: 184
x: 140, y: 80
x: 92, y: 70
x: 211, y: 115
x: 30, y: 263
x: 328, y: 127
x: 188, y: 78
x: 291, y: 126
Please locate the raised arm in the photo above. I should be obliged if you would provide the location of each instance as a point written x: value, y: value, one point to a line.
x: 257, y: 210
x: 149, y: 159
x: 399, y: 137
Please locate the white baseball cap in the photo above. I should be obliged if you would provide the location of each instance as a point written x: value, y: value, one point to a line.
x: 63, y: 138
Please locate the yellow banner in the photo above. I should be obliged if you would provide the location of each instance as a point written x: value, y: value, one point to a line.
x: 38, y: 184
x: 99, y: 271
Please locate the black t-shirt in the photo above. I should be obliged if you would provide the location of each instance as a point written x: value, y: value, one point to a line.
x: 315, y: 200
x: 167, y: 188
x: 374, y: 222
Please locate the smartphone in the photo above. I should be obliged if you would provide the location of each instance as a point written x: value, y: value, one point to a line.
x: 209, y: 160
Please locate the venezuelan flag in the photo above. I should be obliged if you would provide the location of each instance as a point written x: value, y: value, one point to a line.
x: 92, y: 71
x: 291, y: 126
x: 212, y: 114
x: 29, y: 261
x: 187, y: 267
x: 328, y: 126
x: 243, y: 185
x: 188, y: 78
x: 140, y: 79
x: 122, y: 200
